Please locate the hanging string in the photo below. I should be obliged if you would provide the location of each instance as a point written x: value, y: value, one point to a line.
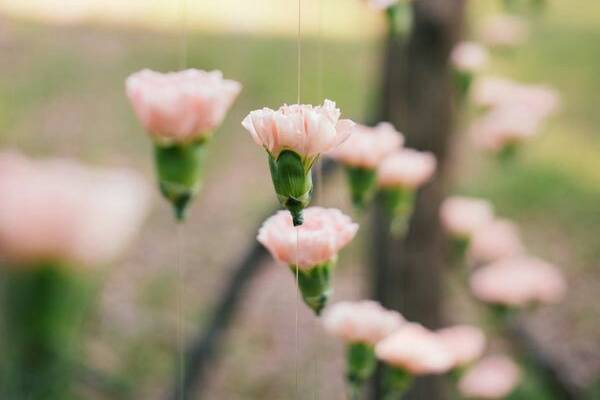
x: 180, y: 345
x: 297, y: 305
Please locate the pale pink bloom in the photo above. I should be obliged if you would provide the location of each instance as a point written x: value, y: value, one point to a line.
x: 466, y: 343
x: 415, y: 349
x: 57, y: 210
x: 518, y: 281
x: 367, y: 146
x: 323, y: 234
x: 406, y: 168
x: 495, y: 240
x: 490, y: 91
x: 504, y: 126
x: 494, y: 377
x: 181, y: 106
x: 462, y: 216
x: 382, y: 4
x: 469, y: 57
x: 504, y: 31
x: 361, y: 321
x: 304, y: 129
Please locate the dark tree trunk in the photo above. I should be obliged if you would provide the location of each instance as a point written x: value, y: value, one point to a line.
x: 417, y: 97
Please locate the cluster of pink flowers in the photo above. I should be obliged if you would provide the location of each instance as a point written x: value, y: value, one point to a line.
x: 59, y: 211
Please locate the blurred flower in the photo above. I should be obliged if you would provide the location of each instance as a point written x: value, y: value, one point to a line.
x: 518, y: 281
x: 494, y: 377
x: 294, y: 136
x: 382, y: 4
x: 490, y: 92
x: 180, y: 107
x: 465, y: 343
x: 311, y: 249
x: 469, y: 57
x: 462, y: 216
x: 414, y: 349
x: 361, y: 322
x: 406, y: 168
x: 362, y: 153
x: 495, y: 240
x: 180, y: 110
x: 59, y: 211
x: 504, y: 31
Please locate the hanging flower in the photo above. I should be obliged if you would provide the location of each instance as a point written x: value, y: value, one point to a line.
x: 294, y: 137
x: 411, y: 351
x: 361, y: 325
x: 362, y: 153
x: 494, y: 377
x: 504, y: 31
x: 467, y: 58
x: 398, y: 177
x: 495, y: 240
x: 180, y: 111
x: 382, y: 4
x: 517, y: 282
x: 464, y: 342
x: 462, y: 216
x: 57, y: 211
x: 311, y: 249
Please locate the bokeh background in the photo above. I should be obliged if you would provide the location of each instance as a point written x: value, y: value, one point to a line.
x: 62, y: 71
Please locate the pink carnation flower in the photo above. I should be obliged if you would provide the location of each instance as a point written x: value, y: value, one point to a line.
x: 465, y: 343
x: 469, y: 57
x: 323, y: 234
x: 406, y: 168
x: 518, y: 281
x: 504, y: 126
x: 494, y: 377
x: 181, y: 106
x: 361, y: 322
x: 308, y: 131
x: 462, y: 216
x: 57, y: 210
x: 496, y: 240
x: 504, y: 31
x: 415, y: 349
x: 367, y: 146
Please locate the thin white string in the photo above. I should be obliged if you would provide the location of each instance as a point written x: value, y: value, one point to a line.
x: 298, y: 294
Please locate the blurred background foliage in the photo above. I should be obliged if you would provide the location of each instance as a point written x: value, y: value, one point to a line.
x: 62, y: 72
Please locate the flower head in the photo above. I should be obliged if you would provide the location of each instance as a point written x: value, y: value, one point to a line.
x: 504, y: 31
x: 361, y: 322
x: 57, y: 210
x: 406, y: 168
x: 367, y: 146
x: 518, y: 281
x: 180, y: 107
x: 495, y: 240
x: 415, y: 349
x: 462, y: 216
x: 494, y: 377
x: 306, y: 130
x: 318, y: 240
x: 382, y: 4
x: 464, y: 342
x: 469, y: 57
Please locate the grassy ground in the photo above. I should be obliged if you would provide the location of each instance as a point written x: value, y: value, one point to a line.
x: 61, y: 92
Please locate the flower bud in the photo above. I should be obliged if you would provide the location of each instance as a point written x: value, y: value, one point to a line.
x: 179, y: 168
x: 315, y: 284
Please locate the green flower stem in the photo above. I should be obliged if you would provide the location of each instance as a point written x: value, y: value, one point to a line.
x: 398, y: 204
x: 43, y: 313
x: 292, y: 181
x: 179, y: 168
x: 315, y: 285
x: 360, y: 365
x: 396, y: 383
x: 362, y: 184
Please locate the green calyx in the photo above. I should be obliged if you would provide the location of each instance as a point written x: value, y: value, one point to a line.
x: 400, y: 18
x: 396, y: 382
x: 362, y: 183
x: 360, y: 365
x: 315, y: 285
x: 508, y: 153
x: 398, y: 203
x: 292, y: 181
x: 44, y: 308
x: 179, y: 168
x: 462, y: 82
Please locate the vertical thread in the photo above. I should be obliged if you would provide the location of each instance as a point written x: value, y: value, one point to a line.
x: 297, y: 335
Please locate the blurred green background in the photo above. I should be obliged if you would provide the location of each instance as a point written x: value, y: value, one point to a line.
x: 62, y: 93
